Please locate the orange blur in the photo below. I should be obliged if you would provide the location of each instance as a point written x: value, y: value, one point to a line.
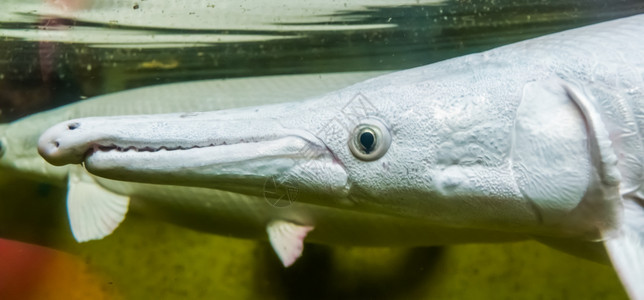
x: 34, y: 272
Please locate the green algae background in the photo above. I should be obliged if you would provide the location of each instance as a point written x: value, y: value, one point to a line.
x: 149, y: 259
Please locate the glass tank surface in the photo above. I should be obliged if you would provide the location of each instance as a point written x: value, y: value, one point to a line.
x: 67, y: 52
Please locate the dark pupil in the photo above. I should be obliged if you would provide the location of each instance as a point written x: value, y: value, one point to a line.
x: 367, y: 141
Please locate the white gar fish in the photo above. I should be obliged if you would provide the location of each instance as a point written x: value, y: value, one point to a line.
x: 541, y: 138
x: 248, y: 214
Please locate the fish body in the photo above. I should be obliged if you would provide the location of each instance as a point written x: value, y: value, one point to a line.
x: 540, y: 138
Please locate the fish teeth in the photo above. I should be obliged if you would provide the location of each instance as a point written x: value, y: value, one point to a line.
x: 113, y: 147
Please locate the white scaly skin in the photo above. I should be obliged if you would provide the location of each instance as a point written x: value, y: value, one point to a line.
x: 542, y: 137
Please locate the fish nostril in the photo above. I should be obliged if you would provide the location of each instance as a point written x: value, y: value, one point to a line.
x: 72, y: 126
x: 56, y: 144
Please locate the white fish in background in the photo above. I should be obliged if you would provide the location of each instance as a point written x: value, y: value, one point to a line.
x: 540, y: 138
x: 155, y: 23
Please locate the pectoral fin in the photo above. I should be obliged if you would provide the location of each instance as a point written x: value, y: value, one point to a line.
x: 624, y: 240
x: 626, y: 250
x: 563, y: 153
x: 602, y: 199
x: 94, y: 212
x: 287, y: 240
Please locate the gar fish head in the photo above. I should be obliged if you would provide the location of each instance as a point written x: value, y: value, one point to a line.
x: 379, y: 145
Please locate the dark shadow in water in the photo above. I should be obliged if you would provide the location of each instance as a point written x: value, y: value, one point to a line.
x: 314, y: 275
x: 30, y: 211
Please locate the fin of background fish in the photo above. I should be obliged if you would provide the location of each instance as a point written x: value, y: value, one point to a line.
x: 590, y: 250
x: 94, y: 212
x: 287, y: 240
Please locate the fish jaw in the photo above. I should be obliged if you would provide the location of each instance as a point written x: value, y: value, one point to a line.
x: 221, y: 150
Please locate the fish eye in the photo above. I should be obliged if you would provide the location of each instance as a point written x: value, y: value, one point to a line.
x: 370, y: 140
